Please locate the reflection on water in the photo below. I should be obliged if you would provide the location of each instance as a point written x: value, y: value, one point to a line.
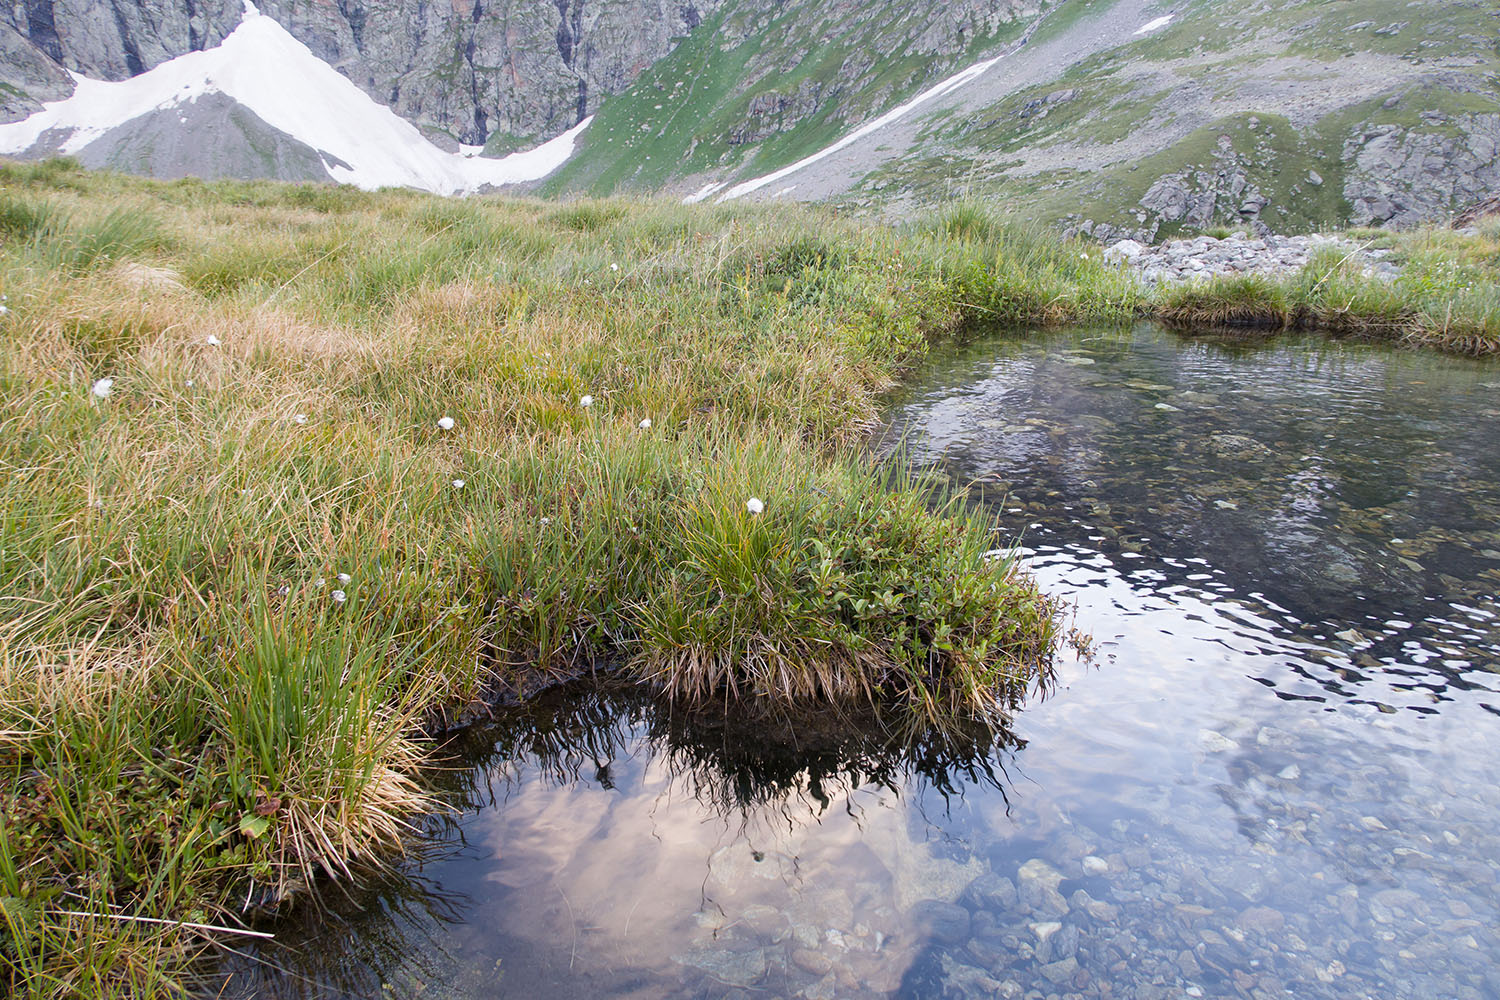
x: 1280, y: 778
x: 646, y: 843
x: 1347, y: 493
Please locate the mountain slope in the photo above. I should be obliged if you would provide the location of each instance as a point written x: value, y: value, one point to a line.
x: 762, y: 82
x: 1137, y: 117
x: 463, y: 71
x: 1109, y: 117
x: 259, y: 104
x: 1294, y: 114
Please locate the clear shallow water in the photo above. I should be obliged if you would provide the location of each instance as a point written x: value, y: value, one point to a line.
x: 1279, y: 778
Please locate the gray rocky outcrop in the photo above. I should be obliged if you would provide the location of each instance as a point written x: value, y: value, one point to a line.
x: 29, y: 77
x: 1198, y: 198
x: 1180, y: 261
x: 472, y: 69
x: 117, y: 39
x: 951, y: 27
x: 771, y: 112
x: 1401, y: 177
x: 1482, y: 210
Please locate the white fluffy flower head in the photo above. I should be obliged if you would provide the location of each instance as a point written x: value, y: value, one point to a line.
x: 754, y: 505
x: 213, y: 341
x: 102, y: 388
x: 458, y: 484
x: 646, y: 424
x: 445, y: 423
x: 339, y: 597
x: 299, y: 418
x: 586, y: 401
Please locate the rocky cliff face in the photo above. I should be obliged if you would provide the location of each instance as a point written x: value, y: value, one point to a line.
x: 467, y: 70
x: 1401, y: 177
x: 115, y: 39
x: 28, y: 76
x: 475, y: 68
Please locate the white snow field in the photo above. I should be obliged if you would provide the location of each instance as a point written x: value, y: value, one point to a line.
x: 1156, y: 25
x: 937, y: 90
x: 703, y: 192
x: 264, y: 68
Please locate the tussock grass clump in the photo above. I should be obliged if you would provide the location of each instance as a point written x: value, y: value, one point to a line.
x: 25, y: 220
x: 1011, y: 272
x: 59, y: 240
x: 587, y: 216
x: 1250, y: 302
x: 1447, y: 295
x: 285, y: 471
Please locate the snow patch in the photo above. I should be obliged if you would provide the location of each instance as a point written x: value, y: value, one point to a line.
x: 261, y: 66
x: 1156, y: 25
x: 705, y: 191
x: 952, y: 83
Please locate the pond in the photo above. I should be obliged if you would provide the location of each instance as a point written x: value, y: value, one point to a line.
x: 1279, y: 775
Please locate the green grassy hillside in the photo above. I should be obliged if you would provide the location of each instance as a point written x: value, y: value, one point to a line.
x: 758, y: 86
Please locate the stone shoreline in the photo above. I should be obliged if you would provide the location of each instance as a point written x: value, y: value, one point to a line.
x: 1182, y: 261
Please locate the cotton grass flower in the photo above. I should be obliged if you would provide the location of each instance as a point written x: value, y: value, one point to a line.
x: 445, y: 423
x: 299, y: 418
x: 339, y: 597
x: 344, y: 578
x: 614, y: 267
x: 754, y: 505
x: 646, y: 424
x: 458, y: 484
x: 213, y: 341
x: 585, y: 401
x: 102, y: 388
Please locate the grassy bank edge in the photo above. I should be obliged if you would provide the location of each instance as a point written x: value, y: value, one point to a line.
x: 155, y: 682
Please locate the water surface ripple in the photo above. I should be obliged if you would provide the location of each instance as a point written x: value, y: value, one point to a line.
x: 1279, y: 777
